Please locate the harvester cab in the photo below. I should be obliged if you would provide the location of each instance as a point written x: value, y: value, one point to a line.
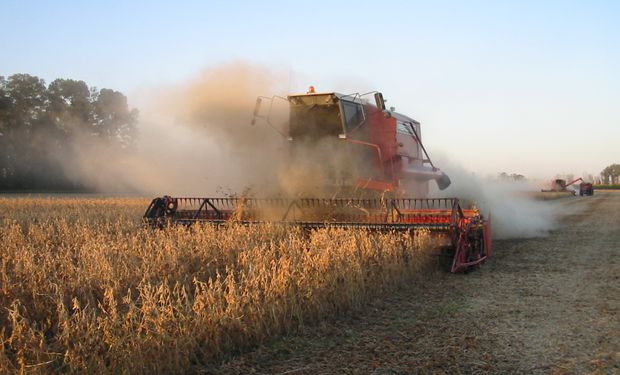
x: 360, y: 147
x: 368, y: 147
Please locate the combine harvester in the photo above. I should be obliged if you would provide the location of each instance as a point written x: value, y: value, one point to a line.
x: 386, y: 167
x: 561, y: 186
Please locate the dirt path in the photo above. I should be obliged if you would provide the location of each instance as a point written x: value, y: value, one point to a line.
x: 545, y: 305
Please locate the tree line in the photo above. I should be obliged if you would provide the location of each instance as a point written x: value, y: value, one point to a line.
x: 611, y: 174
x: 42, y: 126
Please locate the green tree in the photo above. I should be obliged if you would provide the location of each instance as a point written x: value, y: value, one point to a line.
x: 70, y: 107
x: 4, y: 105
x: 43, y: 127
x: 113, y: 120
x: 611, y: 174
x: 4, y: 108
x: 25, y: 99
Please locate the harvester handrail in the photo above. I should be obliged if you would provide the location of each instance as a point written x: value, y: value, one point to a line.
x: 417, y: 138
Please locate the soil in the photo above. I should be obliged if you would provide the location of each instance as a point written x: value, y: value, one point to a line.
x: 545, y: 305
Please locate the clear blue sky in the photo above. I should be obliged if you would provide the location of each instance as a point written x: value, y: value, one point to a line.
x: 530, y: 87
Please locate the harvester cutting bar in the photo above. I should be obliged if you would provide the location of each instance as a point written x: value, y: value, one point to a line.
x: 468, y: 233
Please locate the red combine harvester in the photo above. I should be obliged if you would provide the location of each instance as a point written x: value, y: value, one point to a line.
x: 559, y: 186
x: 381, y: 161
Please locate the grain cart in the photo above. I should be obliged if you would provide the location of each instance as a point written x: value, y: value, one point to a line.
x: 585, y: 188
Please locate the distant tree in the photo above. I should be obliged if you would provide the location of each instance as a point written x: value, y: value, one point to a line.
x: 611, y: 174
x: 511, y: 177
x: 70, y: 106
x: 4, y: 117
x: 41, y: 125
x: 113, y: 121
x: 4, y: 104
x: 25, y: 100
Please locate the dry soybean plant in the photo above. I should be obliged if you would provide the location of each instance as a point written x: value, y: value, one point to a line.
x: 84, y: 287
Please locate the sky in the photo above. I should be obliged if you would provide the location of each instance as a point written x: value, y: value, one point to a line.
x: 529, y: 87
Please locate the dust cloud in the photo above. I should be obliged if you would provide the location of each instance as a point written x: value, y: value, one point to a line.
x: 514, y: 210
x: 195, y: 139
x: 323, y: 168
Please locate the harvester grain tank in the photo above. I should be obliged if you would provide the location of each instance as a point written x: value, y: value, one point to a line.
x: 381, y: 181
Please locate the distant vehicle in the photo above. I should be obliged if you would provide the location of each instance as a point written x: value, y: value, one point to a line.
x: 585, y: 188
x: 559, y: 186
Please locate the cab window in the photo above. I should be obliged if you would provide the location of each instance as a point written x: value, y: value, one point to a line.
x: 353, y: 114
